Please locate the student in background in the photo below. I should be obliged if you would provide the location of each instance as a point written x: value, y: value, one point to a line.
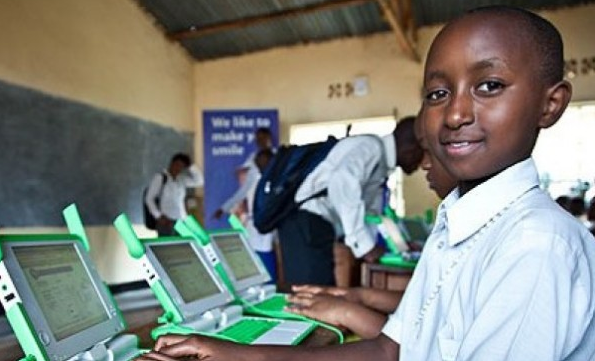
x: 167, y: 192
x: 506, y: 274
x: 261, y: 243
x: 353, y: 173
x: 363, y: 310
x: 263, y: 140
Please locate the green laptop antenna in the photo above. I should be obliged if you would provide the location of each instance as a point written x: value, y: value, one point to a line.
x: 75, y: 225
x: 183, y: 230
x: 134, y: 245
x: 236, y: 224
x: 197, y: 229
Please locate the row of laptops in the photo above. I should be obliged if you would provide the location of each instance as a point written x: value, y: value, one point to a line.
x: 60, y: 309
x: 204, y: 282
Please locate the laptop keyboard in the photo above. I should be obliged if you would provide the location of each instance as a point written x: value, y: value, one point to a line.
x: 247, y: 331
x: 274, y: 303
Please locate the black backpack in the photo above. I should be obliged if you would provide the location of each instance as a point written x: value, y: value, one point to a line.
x: 150, y: 221
x: 274, y: 198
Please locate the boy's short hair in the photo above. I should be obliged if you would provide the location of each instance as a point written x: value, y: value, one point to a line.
x: 405, y: 129
x: 541, y: 33
x: 264, y: 131
x: 182, y: 157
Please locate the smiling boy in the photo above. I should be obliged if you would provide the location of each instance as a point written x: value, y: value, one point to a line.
x: 506, y: 274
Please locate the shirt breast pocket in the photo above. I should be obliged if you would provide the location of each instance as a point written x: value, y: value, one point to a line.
x: 448, y: 345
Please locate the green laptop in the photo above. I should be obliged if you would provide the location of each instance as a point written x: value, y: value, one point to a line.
x: 55, y: 301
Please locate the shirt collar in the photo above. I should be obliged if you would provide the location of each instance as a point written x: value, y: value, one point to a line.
x: 390, y: 151
x: 466, y: 215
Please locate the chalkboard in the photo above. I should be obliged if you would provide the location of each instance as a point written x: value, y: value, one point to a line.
x: 55, y: 151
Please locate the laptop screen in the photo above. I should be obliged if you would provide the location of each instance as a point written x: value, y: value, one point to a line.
x: 416, y: 229
x: 186, y: 271
x: 236, y: 255
x: 62, y: 287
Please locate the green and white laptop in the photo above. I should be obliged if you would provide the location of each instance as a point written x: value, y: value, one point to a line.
x: 399, y: 235
x: 55, y: 301
x: 247, y: 275
x: 195, y: 299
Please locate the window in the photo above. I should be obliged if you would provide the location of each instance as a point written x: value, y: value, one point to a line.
x: 565, y: 153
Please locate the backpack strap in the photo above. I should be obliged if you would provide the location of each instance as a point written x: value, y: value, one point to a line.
x: 163, y: 181
x: 321, y: 193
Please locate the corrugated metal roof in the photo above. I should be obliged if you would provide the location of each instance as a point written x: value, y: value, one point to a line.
x: 358, y: 19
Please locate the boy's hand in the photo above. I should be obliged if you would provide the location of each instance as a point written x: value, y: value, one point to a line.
x: 218, y: 213
x: 374, y: 255
x: 164, y: 221
x: 175, y: 347
x: 325, y: 308
x: 350, y: 294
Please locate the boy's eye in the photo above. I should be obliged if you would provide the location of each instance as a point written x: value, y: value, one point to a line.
x: 490, y: 86
x: 436, y: 95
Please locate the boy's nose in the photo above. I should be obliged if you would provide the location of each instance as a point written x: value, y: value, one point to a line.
x: 460, y: 111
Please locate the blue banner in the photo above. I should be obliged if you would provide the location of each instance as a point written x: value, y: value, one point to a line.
x: 228, y: 141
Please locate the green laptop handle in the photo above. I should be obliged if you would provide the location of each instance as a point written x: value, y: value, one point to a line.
x: 133, y: 243
x: 196, y: 228
x: 75, y: 225
x: 236, y: 224
x: 183, y: 230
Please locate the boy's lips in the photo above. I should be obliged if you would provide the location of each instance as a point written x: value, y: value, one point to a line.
x: 459, y: 147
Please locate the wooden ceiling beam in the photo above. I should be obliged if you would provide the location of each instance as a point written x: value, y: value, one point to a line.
x: 194, y: 32
x: 390, y: 16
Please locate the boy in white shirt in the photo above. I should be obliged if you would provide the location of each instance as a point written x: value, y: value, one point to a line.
x: 506, y: 273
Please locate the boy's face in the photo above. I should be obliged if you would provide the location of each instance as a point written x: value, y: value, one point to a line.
x: 483, y: 97
x: 176, y: 168
x: 438, y: 178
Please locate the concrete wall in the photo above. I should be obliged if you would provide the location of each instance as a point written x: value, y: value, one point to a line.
x: 107, y: 53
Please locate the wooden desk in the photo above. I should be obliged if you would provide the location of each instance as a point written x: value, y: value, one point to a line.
x: 383, y: 277
x: 141, y: 323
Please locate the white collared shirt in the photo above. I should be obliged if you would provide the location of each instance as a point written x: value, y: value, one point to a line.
x: 524, y: 289
x: 353, y: 173
x: 171, y: 203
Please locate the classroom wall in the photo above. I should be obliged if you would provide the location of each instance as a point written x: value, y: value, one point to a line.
x: 295, y: 80
x: 107, y: 53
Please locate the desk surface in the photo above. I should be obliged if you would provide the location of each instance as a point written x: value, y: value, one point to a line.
x: 141, y: 322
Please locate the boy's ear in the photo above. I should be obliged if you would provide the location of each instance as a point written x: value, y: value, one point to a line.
x: 557, y: 98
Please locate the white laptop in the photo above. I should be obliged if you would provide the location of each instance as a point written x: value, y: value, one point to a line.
x: 246, y: 272
x: 56, y: 303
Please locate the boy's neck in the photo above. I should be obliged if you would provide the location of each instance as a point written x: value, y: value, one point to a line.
x: 467, y: 185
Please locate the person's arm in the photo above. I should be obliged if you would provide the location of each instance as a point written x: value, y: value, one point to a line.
x: 152, y: 193
x: 345, y: 194
x: 241, y: 192
x: 170, y: 348
x: 380, y: 300
x: 192, y: 177
x: 339, y: 312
